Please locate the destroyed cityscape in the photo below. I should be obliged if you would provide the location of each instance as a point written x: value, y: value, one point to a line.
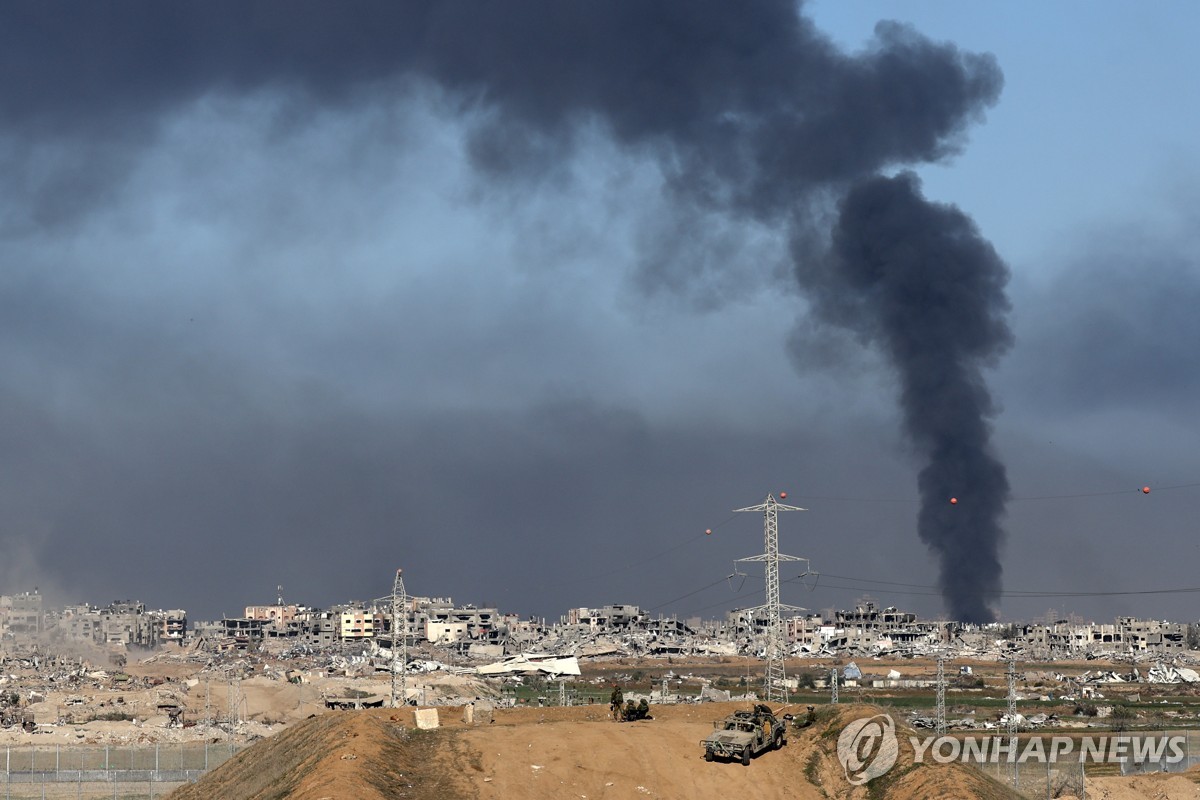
x: 469, y: 325
x: 62, y: 664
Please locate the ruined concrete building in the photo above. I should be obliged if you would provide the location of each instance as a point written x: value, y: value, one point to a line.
x: 444, y: 622
x: 607, y: 619
x: 21, y: 615
x: 122, y: 624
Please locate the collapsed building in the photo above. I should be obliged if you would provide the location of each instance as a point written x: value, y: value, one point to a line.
x: 617, y: 629
x: 122, y: 624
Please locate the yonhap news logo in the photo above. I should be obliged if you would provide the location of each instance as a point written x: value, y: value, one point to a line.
x: 868, y: 748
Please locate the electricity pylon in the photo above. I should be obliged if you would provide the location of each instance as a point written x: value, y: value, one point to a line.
x: 774, y: 686
x: 940, y: 712
x: 399, y: 641
x: 1012, y: 705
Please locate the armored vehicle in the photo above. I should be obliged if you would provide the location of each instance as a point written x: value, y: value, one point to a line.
x: 744, y: 734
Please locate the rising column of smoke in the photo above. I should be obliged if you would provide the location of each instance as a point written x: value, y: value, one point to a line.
x: 749, y: 109
x: 916, y: 279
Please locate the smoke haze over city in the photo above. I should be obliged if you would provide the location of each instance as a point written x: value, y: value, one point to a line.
x: 524, y: 297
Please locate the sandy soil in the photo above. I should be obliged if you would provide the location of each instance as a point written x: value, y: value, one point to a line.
x: 1146, y: 787
x: 554, y: 753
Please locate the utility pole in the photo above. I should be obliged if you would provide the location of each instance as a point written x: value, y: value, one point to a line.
x: 1012, y: 704
x: 235, y: 701
x: 940, y: 713
x: 833, y: 681
x: 399, y: 641
x: 774, y: 686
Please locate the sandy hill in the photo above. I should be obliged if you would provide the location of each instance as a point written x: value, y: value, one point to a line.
x: 544, y: 753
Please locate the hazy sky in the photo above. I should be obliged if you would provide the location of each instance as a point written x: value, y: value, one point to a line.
x: 293, y: 294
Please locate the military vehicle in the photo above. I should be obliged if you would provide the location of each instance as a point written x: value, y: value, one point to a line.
x: 744, y: 734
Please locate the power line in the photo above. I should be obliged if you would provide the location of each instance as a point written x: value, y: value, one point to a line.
x: 1014, y: 498
x: 1013, y: 593
x: 641, y: 559
x: 689, y: 594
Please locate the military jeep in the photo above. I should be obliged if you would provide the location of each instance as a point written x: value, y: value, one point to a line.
x: 744, y: 734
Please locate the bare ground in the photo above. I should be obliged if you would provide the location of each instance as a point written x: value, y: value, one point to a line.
x: 554, y: 753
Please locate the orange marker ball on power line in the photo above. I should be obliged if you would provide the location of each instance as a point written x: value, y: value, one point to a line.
x: 1145, y: 490
x: 708, y: 531
x: 953, y: 501
x: 783, y: 495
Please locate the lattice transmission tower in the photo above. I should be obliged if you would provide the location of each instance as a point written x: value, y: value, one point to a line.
x: 940, y: 712
x: 774, y: 686
x: 1012, y: 705
x: 399, y: 641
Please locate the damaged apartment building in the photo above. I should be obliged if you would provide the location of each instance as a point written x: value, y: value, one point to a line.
x: 22, y: 618
x: 123, y: 624
x: 864, y: 627
x: 1127, y: 635
x: 434, y: 620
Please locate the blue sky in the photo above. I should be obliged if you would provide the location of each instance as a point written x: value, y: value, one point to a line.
x: 1095, y: 127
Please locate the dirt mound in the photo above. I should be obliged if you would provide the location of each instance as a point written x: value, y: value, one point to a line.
x: 1155, y: 786
x: 343, y: 755
x: 553, y: 753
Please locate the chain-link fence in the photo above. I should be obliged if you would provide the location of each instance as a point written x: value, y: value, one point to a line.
x: 1044, y: 779
x: 1105, y: 754
x: 106, y: 772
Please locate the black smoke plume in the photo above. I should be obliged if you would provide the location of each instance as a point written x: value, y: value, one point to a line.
x: 750, y: 111
x: 917, y: 280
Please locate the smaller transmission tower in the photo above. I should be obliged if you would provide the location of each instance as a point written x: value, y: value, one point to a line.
x: 940, y: 713
x: 562, y: 692
x: 1012, y: 705
x: 833, y: 681
x: 235, y: 701
x: 399, y: 641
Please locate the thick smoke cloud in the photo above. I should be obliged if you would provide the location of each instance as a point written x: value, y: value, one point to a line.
x: 748, y: 111
x: 916, y: 279
x: 748, y: 108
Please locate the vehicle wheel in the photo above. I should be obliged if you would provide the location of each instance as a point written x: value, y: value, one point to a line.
x: 708, y: 756
x: 746, y: 757
x: 779, y: 740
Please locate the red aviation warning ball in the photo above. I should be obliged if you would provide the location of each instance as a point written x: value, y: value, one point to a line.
x: 708, y: 531
x: 1145, y: 490
x: 783, y: 495
x: 953, y: 501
